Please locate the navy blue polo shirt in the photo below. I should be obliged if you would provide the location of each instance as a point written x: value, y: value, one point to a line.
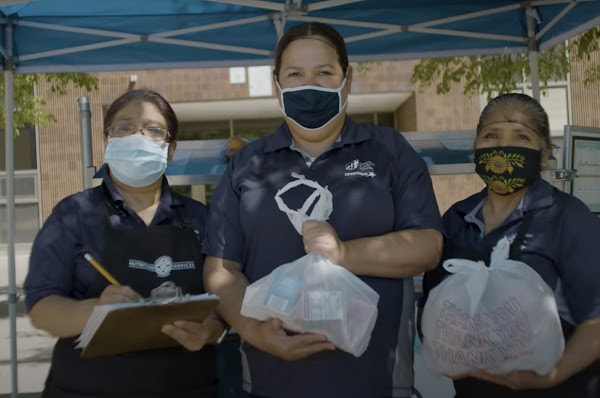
x: 77, y: 226
x: 562, y: 244
x: 379, y: 185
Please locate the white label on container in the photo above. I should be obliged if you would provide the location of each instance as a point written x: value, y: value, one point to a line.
x: 323, y: 305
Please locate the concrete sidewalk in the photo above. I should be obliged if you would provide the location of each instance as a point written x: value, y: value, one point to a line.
x: 34, y: 347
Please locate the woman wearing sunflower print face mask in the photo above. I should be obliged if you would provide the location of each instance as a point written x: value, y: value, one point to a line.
x: 553, y: 232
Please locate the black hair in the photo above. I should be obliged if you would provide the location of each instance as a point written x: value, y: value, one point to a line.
x: 144, y: 95
x: 535, y: 113
x: 304, y: 30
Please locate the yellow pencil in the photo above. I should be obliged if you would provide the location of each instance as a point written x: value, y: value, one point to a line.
x: 101, y: 269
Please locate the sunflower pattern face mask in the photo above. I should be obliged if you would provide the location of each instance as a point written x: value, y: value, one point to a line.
x: 508, y: 169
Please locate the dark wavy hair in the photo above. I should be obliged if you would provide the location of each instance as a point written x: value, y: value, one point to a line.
x: 144, y: 95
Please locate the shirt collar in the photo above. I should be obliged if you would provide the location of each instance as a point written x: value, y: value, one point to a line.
x: 539, y: 196
x: 166, y: 198
x: 351, y: 134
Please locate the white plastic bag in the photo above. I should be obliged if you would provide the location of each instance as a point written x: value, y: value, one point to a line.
x: 499, y: 319
x: 312, y: 294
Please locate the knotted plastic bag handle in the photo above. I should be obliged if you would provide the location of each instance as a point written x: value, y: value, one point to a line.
x: 321, y: 211
x: 476, y: 284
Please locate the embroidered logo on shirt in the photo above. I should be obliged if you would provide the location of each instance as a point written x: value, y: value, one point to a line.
x: 358, y: 168
x: 162, y: 266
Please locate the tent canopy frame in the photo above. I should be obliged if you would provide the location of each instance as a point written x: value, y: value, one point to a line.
x: 279, y: 13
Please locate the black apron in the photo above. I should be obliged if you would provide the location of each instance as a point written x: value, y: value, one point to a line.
x: 163, y: 373
x: 585, y: 384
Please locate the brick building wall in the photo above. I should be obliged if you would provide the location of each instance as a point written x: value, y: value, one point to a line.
x: 424, y: 110
x: 60, y: 152
x: 406, y: 115
x: 451, y: 111
x: 586, y: 98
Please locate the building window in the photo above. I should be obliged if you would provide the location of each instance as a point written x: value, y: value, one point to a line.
x: 203, y: 130
x: 24, y: 147
x: 26, y: 222
x: 27, y: 216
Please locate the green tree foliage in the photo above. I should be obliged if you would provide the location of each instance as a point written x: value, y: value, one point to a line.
x: 583, y: 48
x: 29, y: 108
x: 498, y: 74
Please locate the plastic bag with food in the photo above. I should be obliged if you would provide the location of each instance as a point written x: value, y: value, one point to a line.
x: 311, y: 294
x: 499, y: 318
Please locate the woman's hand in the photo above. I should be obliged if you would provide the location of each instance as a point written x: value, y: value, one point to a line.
x: 520, y: 380
x: 118, y: 294
x: 320, y: 237
x: 581, y: 350
x: 398, y: 254
x: 271, y: 337
x: 195, y: 335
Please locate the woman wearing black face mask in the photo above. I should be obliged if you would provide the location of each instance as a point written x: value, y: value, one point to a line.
x: 554, y: 233
x: 384, y: 227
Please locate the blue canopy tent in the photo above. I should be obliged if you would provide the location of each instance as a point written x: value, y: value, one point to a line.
x: 73, y: 35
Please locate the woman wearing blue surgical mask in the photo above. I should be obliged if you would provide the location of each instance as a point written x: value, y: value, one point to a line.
x: 384, y: 228
x: 552, y: 232
x: 131, y: 224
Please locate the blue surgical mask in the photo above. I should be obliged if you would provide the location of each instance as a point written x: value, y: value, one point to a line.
x: 312, y: 107
x: 136, y: 160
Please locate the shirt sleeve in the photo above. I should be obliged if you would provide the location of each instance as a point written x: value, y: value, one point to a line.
x: 224, y: 236
x: 578, y: 264
x: 434, y: 277
x: 415, y: 206
x: 52, y: 259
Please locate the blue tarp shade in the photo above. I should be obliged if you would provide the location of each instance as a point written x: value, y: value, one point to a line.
x: 74, y: 35
x: 80, y: 35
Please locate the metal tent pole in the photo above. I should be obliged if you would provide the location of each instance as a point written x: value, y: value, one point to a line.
x: 533, y: 52
x: 85, y: 122
x: 10, y: 202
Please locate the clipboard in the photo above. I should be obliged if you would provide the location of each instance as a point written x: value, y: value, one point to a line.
x: 136, y: 326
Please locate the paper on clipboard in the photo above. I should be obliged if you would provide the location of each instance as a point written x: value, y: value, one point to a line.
x: 136, y: 326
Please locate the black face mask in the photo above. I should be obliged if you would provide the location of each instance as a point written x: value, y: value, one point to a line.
x: 312, y: 107
x: 508, y: 169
